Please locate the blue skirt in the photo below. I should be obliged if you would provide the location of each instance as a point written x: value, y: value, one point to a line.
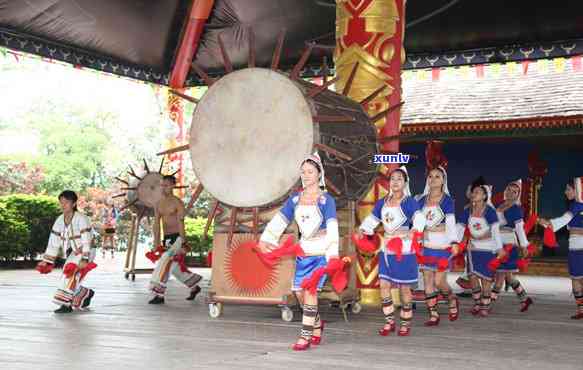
x: 305, y: 267
x: 510, y: 265
x: 404, y: 271
x: 432, y: 256
x: 576, y: 264
x: 478, y: 263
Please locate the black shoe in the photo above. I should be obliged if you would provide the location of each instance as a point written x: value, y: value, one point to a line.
x: 197, y: 279
x: 64, y: 309
x: 87, y: 300
x: 156, y: 300
x: 193, y: 293
x: 464, y: 294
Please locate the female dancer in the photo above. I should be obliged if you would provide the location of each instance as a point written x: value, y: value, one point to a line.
x: 463, y: 281
x: 314, y: 211
x: 573, y: 219
x: 512, y: 233
x: 71, y: 236
x: 403, y: 224
x: 439, y: 243
x: 484, y: 245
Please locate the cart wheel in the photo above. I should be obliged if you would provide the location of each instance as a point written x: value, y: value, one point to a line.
x: 287, y: 314
x: 133, y: 277
x: 127, y: 275
x: 215, y: 310
x: 356, y: 308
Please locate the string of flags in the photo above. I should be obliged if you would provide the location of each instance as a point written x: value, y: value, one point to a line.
x: 540, y: 66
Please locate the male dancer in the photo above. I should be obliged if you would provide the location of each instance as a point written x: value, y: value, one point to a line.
x: 171, y: 212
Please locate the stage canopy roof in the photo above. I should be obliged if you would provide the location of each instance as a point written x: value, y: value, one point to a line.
x: 140, y: 38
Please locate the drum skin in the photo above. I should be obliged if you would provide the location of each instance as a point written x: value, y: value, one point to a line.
x: 150, y: 190
x: 253, y: 127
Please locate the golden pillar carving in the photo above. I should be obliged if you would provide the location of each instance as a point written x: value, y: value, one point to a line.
x: 370, y: 33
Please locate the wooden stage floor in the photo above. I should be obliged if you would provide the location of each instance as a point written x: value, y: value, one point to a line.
x: 121, y: 331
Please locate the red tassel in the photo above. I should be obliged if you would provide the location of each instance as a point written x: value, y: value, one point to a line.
x: 364, y: 244
x: 508, y: 249
x: 549, y: 239
x: 395, y: 245
x: 263, y: 257
x: 336, y: 269
x: 466, y: 233
x: 529, y: 225
x: 180, y: 259
x: 522, y: 264
x: 442, y: 264
x: 415, y: 245
x: 85, y: 270
x: 209, y: 259
x: 494, y: 264
x: 155, y: 254
x: 44, y: 268
x: 459, y: 262
x: 69, y: 269
x: 531, y: 249
x: 288, y: 248
x: 151, y: 255
x: 311, y: 284
x: 461, y: 249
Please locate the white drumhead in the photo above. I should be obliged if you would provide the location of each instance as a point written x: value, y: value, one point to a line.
x: 150, y: 190
x: 249, y: 135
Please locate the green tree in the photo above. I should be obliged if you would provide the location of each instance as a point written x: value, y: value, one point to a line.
x: 73, y: 149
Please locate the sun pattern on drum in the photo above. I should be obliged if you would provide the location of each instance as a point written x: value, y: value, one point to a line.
x: 245, y: 272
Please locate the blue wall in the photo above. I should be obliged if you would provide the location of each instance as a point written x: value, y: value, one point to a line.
x: 501, y: 163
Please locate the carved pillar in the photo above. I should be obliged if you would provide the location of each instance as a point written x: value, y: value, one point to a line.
x: 175, y: 109
x: 370, y: 32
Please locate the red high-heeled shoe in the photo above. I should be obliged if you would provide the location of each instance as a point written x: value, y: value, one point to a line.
x: 316, y: 339
x: 524, y: 305
x: 577, y: 316
x: 404, y: 331
x: 301, y: 347
x: 453, y: 316
x: 384, y: 331
x: 433, y: 321
x: 475, y: 310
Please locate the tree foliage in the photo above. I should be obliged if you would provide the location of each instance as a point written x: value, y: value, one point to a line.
x: 20, y: 177
x: 14, y: 234
x: 194, y: 229
x: 36, y: 213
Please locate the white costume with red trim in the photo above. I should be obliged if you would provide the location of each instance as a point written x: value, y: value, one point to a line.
x: 74, y: 241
